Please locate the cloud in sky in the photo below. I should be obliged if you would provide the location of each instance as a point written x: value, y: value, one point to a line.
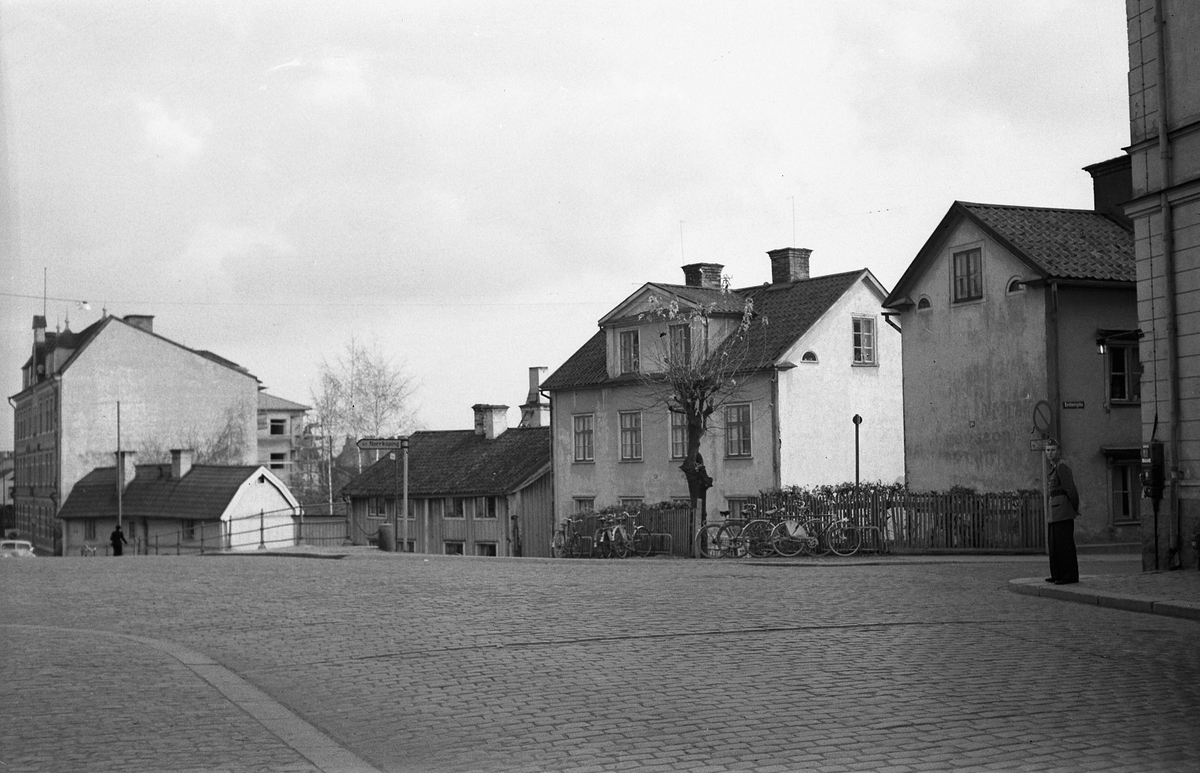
x: 474, y: 185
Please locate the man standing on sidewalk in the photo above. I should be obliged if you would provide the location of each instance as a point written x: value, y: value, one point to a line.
x: 1064, y: 506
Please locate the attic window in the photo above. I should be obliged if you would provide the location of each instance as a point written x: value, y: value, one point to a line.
x: 809, y: 356
x: 924, y: 304
x: 1015, y: 285
x: 968, y: 275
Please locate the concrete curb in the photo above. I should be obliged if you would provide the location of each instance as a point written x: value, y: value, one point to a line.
x: 305, y: 739
x: 1081, y: 593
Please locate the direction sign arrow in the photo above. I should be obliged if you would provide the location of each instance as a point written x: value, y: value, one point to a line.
x: 376, y: 443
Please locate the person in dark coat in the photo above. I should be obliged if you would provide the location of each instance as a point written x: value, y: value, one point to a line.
x: 1060, y: 520
x: 117, y: 538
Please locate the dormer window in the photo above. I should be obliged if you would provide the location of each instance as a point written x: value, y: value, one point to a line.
x: 923, y: 304
x: 630, y: 353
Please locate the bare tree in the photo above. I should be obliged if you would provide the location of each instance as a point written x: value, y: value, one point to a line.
x: 360, y: 393
x: 700, y: 360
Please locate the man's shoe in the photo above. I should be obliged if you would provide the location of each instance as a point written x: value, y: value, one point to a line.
x: 1065, y: 582
x: 1050, y: 579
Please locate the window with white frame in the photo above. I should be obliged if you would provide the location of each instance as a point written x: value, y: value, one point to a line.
x: 737, y: 430
x: 456, y: 508
x: 278, y: 426
x: 584, y: 438
x: 585, y: 504
x: 864, y: 340
x: 631, y: 503
x: 1124, y: 372
x: 1126, y: 490
x: 679, y: 434
x: 376, y: 507
x: 630, y: 353
x: 454, y: 547
x: 486, y: 507
x: 631, y: 436
x: 968, y: 275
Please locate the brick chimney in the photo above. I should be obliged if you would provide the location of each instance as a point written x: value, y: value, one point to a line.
x: 491, y: 421
x: 126, y: 468
x: 141, y: 321
x: 789, y: 264
x: 703, y: 275
x: 1112, y: 187
x: 181, y: 462
x: 536, y: 411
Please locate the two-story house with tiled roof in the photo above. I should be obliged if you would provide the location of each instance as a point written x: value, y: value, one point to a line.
x: 1021, y: 323
x: 484, y: 491
x: 117, y: 384
x: 818, y: 352
x: 280, y: 436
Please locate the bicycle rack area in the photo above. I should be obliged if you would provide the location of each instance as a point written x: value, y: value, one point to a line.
x: 579, y: 537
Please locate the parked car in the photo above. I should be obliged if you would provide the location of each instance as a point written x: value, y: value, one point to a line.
x: 16, y: 548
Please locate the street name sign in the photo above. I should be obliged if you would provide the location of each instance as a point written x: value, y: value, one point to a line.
x: 381, y: 443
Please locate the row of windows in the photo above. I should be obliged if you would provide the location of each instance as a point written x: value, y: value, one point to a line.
x: 738, y: 436
x: 37, y: 468
x: 629, y: 358
x: 34, y: 418
x: 454, y: 508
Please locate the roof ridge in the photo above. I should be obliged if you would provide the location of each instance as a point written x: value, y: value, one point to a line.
x: 1040, y: 209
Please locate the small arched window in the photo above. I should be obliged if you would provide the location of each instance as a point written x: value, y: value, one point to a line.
x: 1016, y: 285
x: 809, y: 357
x: 923, y: 304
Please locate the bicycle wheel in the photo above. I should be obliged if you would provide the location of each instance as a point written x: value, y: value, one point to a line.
x: 757, y: 536
x: 575, y: 546
x: 817, y: 543
x: 731, y: 542
x: 558, y: 545
x: 642, y: 542
x: 844, y: 538
x: 708, y: 541
x: 620, y: 542
x: 788, y: 538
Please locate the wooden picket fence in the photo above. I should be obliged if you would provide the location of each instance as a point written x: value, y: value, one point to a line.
x: 931, y: 522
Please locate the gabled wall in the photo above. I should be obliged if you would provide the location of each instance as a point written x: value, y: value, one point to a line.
x: 973, y: 373
x: 819, y: 400
x: 170, y: 398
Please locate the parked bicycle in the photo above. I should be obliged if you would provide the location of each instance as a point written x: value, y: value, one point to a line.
x: 569, y: 540
x: 620, y: 536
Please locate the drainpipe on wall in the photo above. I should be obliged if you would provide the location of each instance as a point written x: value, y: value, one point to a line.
x: 1174, y: 520
x: 1052, y: 384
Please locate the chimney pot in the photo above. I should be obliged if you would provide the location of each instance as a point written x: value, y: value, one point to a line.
x: 789, y: 264
x: 181, y: 462
x: 126, y: 468
x: 491, y: 421
x: 703, y: 275
x: 536, y: 411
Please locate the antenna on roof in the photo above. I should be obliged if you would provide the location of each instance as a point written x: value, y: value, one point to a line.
x: 681, y: 255
x: 793, y: 221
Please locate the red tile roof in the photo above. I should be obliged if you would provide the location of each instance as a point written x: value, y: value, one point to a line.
x: 460, y: 463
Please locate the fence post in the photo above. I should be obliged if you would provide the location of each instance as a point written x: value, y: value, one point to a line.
x: 262, y: 543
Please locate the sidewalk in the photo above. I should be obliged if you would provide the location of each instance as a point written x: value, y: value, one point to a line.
x: 1174, y: 593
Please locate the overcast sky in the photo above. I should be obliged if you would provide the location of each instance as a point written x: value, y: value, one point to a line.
x: 473, y: 185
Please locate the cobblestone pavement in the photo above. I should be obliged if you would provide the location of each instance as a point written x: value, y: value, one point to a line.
x: 401, y: 663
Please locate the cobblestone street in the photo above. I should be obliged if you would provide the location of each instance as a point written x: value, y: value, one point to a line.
x: 401, y: 663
